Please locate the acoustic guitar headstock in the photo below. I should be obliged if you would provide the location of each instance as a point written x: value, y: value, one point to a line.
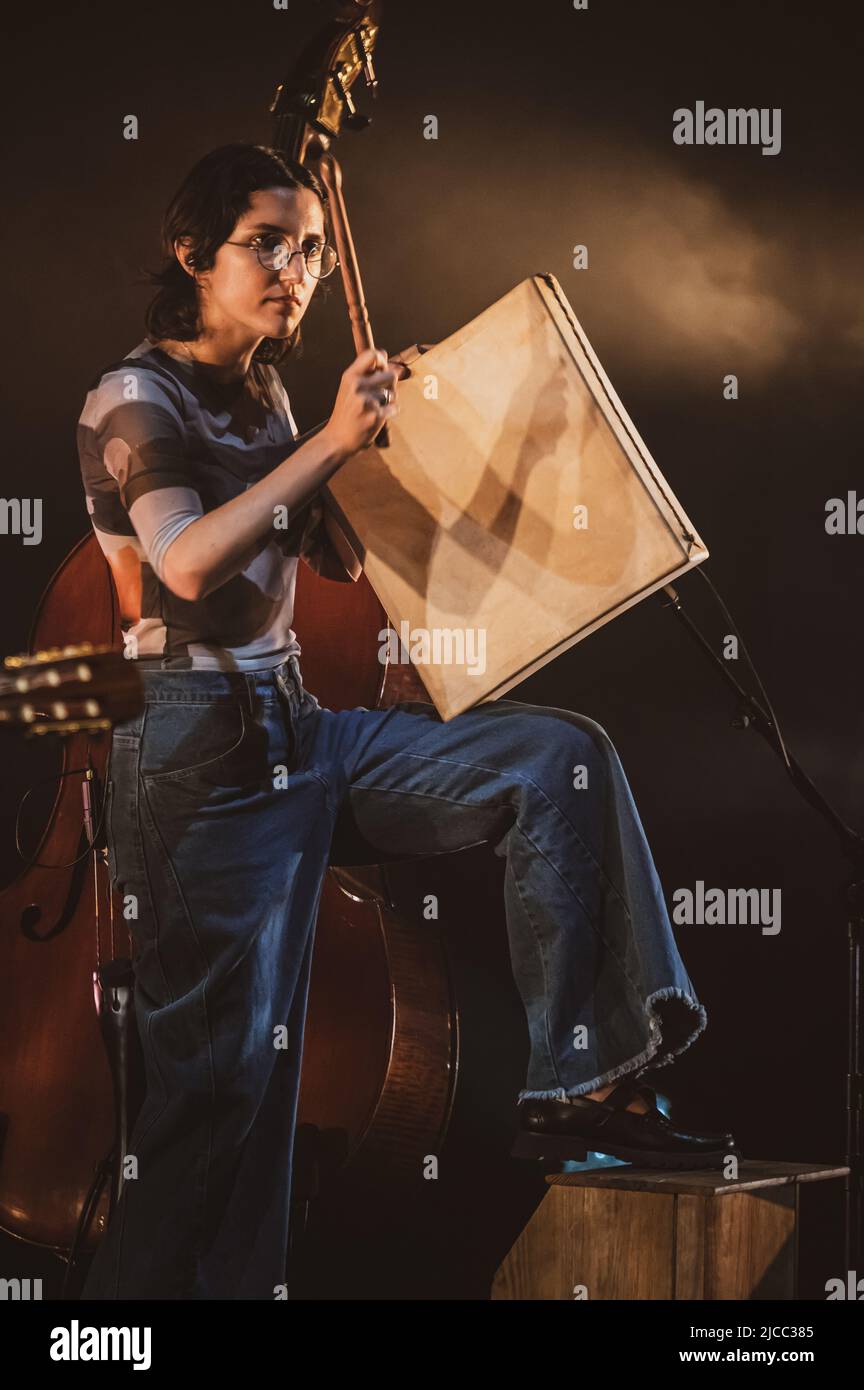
x: 63, y: 690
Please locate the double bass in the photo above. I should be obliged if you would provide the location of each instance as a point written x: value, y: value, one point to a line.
x: 383, y: 1047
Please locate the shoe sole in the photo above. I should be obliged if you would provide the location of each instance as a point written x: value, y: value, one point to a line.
x: 559, y: 1147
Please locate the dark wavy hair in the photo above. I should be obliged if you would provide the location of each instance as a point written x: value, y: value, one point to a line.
x: 205, y: 209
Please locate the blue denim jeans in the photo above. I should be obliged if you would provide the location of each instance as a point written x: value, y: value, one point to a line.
x: 224, y: 797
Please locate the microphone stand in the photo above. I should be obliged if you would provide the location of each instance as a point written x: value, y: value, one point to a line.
x: 752, y: 715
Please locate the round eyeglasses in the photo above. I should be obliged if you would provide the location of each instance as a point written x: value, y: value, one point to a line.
x: 273, y: 254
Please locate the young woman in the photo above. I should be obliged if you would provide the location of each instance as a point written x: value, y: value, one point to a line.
x: 188, y: 452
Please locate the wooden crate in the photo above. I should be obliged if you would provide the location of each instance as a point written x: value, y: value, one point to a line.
x: 626, y: 1233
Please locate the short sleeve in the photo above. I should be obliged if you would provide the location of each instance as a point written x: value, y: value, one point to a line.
x: 139, y: 434
x: 135, y: 436
x: 159, y: 517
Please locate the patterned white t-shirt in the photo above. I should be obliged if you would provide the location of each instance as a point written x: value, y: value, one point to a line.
x: 161, y: 442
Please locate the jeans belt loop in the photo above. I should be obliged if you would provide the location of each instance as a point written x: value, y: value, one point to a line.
x: 288, y: 690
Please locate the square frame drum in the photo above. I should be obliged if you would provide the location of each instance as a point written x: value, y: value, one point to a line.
x: 516, y: 509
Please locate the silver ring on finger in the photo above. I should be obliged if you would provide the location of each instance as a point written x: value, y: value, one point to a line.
x: 386, y: 396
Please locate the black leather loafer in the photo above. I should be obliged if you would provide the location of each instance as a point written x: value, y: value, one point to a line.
x: 552, y: 1129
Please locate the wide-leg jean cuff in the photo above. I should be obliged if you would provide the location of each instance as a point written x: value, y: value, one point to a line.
x: 656, y: 1054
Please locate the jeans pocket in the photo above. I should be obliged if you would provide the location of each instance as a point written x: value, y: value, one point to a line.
x: 185, y: 740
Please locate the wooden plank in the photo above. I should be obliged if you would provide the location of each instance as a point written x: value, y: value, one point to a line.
x: 624, y: 1246
x: 750, y: 1246
x: 752, y: 1173
x: 688, y: 1276
x: 612, y: 1245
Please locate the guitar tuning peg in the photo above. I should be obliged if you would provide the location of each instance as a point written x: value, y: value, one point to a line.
x: 369, y: 73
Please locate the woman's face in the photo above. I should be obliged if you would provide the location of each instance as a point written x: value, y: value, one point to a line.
x: 238, y: 295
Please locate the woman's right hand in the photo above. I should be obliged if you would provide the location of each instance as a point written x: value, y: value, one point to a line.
x: 359, y: 412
